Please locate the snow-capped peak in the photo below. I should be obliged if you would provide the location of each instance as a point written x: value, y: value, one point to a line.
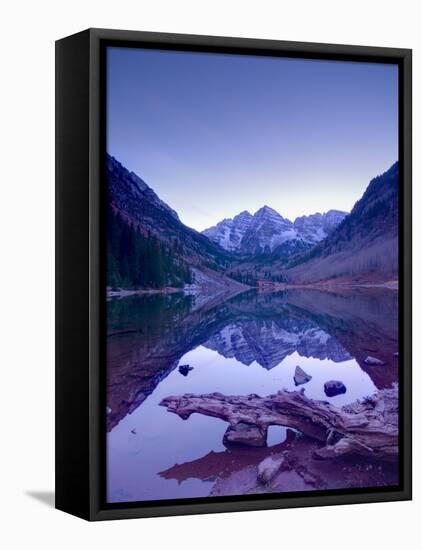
x: 267, y: 211
x: 266, y: 230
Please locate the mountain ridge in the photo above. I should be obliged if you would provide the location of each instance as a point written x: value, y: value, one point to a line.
x: 365, y: 243
x: 129, y: 194
x: 151, y: 237
x: 266, y: 230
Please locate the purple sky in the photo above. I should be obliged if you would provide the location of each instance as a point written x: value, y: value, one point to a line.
x: 216, y: 134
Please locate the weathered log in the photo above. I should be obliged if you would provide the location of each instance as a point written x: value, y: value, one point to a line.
x: 368, y: 427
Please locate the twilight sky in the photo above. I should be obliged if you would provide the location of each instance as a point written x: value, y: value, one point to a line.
x: 216, y: 134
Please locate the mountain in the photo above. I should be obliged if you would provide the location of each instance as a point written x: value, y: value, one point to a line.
x: 364, y: 247
x: 152, y: 235
x: 229, y: 232
x: 130, y: 191
x: 316, y: 227
x: 267, y: 232
x: 140, y: 205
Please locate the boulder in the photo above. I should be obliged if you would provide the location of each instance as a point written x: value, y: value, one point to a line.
x: 184, y: 369
x: 373, y: 361
x: 268, y: 468
x: 301, y: 377
x: 243, y: 433
x: 334, y: 387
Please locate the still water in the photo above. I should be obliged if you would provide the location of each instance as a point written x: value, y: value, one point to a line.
x: 250, y: 343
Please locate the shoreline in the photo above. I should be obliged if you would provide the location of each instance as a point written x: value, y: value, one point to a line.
x: 123, y: 293
x: 323, y: 285
x: 327, y: 285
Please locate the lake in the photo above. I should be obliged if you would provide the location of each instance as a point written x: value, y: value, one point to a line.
x: 249, y: 343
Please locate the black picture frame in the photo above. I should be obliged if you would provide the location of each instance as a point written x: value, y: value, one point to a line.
x: 80, y: 150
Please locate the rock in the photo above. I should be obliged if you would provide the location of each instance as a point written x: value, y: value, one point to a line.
x: 268, y: 468
x: 373, y: 361
x: 184, y: 369
x: 334, y: 387
x: 246, y: 434
x: 301, y: 377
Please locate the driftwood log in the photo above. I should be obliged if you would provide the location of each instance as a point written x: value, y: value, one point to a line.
x: 368, y: 427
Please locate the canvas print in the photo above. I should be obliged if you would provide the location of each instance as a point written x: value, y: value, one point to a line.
x: 252, y: 343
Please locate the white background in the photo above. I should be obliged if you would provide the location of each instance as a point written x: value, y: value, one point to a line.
x: 29, y: 29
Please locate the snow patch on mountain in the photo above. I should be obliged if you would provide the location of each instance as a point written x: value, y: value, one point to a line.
x: 230, y: 232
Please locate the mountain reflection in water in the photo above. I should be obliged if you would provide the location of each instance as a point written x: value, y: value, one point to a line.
x: 249, y: 343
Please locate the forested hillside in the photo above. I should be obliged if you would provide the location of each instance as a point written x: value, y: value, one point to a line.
x: 138, y: 259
